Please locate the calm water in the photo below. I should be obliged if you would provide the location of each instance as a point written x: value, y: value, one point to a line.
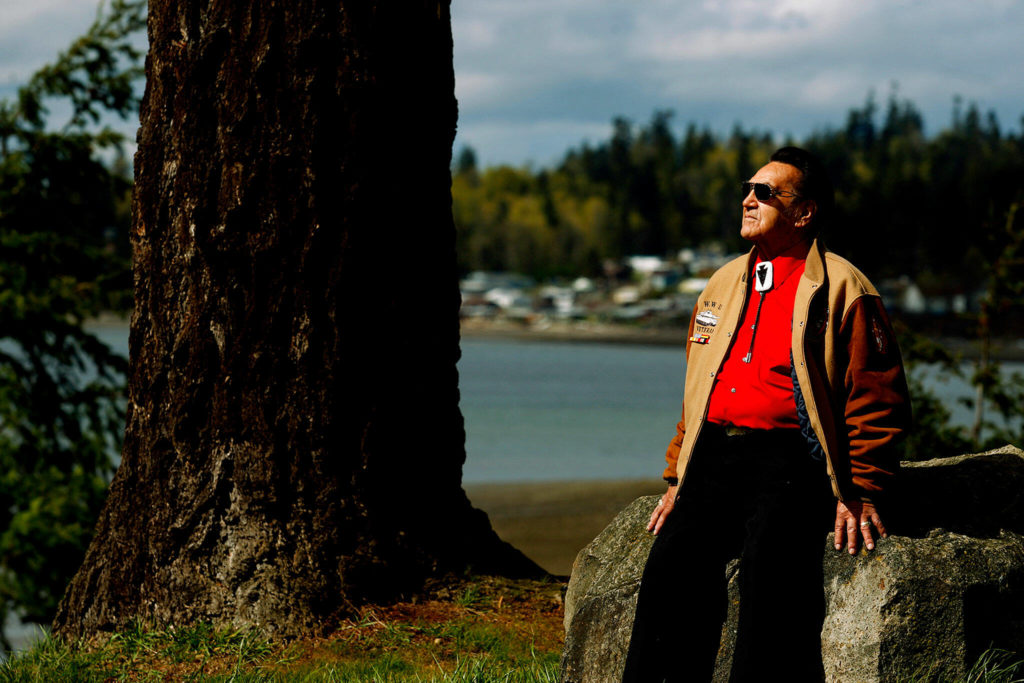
x: 538, y: 410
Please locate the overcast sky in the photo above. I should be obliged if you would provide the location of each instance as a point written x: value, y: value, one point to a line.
x: 534, y: 77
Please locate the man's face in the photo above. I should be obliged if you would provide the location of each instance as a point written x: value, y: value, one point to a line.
x: 779, y: 223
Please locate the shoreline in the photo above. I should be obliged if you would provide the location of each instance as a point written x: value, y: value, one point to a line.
x: 1003, y: 350
x: 572, y: 332
x: 586, y: 332
x: 551, y: 521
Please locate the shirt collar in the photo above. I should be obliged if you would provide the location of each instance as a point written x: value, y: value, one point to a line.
x: 786, y: 263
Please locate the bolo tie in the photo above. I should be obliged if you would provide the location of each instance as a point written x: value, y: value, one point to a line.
x: 763, y: 281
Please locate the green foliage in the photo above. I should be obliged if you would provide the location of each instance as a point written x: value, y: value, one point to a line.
x: 1005, y: 293
x: 63, y: 260
x: 640, y: 192
x: 908, y: 204
x: 996, y: 392
x: 932, y: 435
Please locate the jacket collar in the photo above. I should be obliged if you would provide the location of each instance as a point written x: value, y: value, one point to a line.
x: 814, y: 270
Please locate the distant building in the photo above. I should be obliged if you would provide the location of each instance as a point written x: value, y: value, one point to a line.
x: 480, y: 281
x: 645, y: 265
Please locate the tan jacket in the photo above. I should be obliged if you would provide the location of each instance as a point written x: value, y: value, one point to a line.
x: 846, y: 360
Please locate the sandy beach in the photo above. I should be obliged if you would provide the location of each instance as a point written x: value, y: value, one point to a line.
x: 551, y: 521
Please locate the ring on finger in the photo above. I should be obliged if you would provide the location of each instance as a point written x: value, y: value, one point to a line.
x: 865, y: 525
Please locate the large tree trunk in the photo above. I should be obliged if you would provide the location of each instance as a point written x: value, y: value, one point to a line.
x: 294, y: 443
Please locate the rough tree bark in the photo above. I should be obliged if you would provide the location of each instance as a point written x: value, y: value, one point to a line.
x: 294, y: 444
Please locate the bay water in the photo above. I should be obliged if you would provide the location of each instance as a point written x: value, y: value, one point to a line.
x: 550, y: 411
x: 537, y: 411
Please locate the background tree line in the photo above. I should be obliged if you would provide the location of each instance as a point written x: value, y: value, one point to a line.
x: 931, y: 207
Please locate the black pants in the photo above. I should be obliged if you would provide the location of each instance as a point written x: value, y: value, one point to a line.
x: 759, y: 497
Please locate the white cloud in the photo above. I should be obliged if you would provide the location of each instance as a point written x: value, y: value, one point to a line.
x: 32, y: 33
x: 531, y: 73
x: 475, y: 33
x: 788, y: 66
x: 477, y: 89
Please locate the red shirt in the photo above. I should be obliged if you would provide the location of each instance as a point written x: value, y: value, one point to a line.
x: 759, y: 394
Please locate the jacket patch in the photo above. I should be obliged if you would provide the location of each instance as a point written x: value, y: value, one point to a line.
x: 707, y: 319
x: 880, y: 335
x: 700, y: 338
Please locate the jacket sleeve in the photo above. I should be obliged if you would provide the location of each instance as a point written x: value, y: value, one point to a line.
x: 672, y: 453
x: 877, y: 407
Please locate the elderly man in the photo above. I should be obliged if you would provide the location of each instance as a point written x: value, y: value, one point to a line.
x: 795, y: 398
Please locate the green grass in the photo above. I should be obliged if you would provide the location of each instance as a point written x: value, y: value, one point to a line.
x: 993, y: 666
x: 459, y: 650
x: 52, y: 661
x: 477, y: 630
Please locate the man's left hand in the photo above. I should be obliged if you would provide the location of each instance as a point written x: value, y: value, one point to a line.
x: 854, y: 519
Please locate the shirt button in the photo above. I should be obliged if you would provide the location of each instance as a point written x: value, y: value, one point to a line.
x: 733, y: 390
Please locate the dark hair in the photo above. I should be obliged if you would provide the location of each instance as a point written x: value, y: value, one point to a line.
x: 814, y: 184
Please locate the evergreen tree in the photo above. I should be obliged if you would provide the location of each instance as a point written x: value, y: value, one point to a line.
x: 63, y: 235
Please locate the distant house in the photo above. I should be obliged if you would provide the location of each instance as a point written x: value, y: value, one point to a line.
x: 509, y: 299
x: 560, y: 301
x: 693, y: 285
x: 705, y: 260
x: 645, y: 265
x: 479, y: 282
x: 629, y: 294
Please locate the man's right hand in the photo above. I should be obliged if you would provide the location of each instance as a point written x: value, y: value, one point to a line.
x: 661, y: 513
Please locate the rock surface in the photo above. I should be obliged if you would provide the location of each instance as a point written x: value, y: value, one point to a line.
x: 947, y: 584
x: 601, y: 598
x: 920, y: 605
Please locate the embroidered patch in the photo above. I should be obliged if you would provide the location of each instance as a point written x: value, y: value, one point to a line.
x: 880, y: 335
x: 707, y: 318
x: 700, y: 338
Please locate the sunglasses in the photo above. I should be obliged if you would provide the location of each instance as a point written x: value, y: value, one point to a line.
x: 763, y: 191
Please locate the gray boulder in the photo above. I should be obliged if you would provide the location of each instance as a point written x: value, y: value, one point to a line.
x: 601, y: 598
x: 946, y: 585
x: 921, y: 606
